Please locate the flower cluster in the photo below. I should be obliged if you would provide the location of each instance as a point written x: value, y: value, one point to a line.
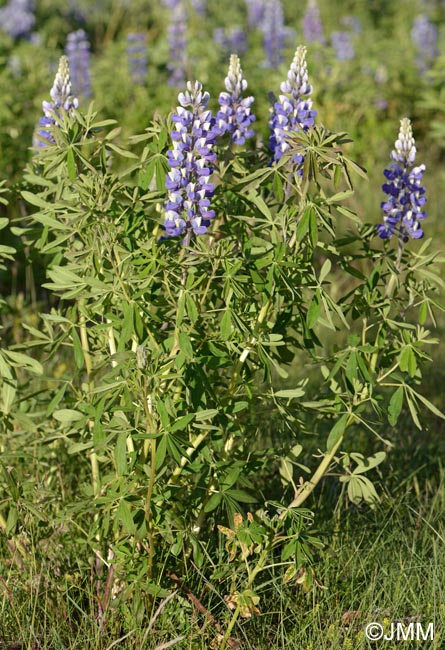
x: 312, y: 25
x: 177, y: 42
x: 78, y: 52
x: 63, y: 102
x: 190, y: 161
x: 294, y: 110
x: 424, y: 35
x: 17, y: 18
x: 343, y: 45
x: 235, y: 117
x: 274, y: 33
x: 137, y: 56
x: 405, y: 201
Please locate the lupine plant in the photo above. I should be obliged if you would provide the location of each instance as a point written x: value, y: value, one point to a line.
x: 197, y: 301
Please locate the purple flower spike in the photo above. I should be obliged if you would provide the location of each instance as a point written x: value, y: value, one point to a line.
x: 312, y: 25
x: 190, y: 160
x: 255, y: 13
x: 274, y: 33
x: 137, y: 57
x: 17, y: 18
x: 78, y: 52
x: 62, y: 103
x: 424, y: 35
x: 234, y: 116
x: 294, y: 110
x: 177, y: 42
x: 403, y: 208
x: 343, y: 46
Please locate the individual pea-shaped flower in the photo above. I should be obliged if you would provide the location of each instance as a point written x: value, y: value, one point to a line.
x: 234, y: 116
x: 404, y: 206
x: 62, y: 103
x: 190, y: 160
x: 293, y: 111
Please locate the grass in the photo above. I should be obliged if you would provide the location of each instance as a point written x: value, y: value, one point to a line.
x: 383, y: 565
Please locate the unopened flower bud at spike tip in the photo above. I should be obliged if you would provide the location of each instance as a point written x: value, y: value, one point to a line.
x: 403, y: 208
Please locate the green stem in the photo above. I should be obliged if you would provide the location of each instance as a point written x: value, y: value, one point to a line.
x: 149, y: 446
x: 388, y: 294
x: 253, y: 574
x: 239, y: 364
x: 308, y: 487
x: 13, y: 544
x: 95, y: 472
